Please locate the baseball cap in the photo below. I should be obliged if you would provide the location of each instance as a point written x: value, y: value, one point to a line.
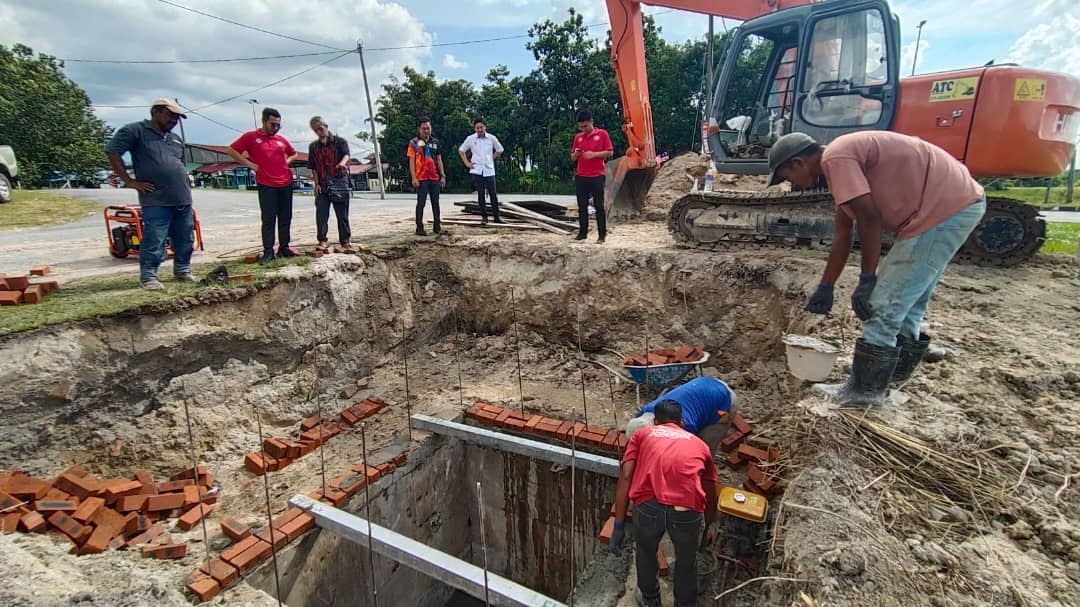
x: 171, y: 105
x: 786, y: 148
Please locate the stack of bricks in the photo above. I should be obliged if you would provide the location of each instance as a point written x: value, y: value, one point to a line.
x: 252, y: 549
x: 761, y: 463
x: 277, y: 453
x: 665, y: 356
x: 608, y: 440
x: 97, y: 514
x: 15, y: 290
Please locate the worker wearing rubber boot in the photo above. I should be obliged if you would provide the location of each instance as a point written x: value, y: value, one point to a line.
x: 884, y: 182
x: 669, y: 474
x: 702, y: 399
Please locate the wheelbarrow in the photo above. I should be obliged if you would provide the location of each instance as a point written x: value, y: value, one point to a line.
x: 664, y: 376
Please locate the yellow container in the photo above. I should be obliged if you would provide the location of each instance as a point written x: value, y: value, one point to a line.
x: 743, y: 504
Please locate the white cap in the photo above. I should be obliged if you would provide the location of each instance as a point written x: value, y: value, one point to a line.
x: 642, y: 421
x: 171, y: 105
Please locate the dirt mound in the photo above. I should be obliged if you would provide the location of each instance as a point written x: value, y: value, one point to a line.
x: 676, y: 178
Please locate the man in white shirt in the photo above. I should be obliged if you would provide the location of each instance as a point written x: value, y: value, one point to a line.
x: 484, y: 148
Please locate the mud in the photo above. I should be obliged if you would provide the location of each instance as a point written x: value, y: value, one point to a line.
x: 676, y: 177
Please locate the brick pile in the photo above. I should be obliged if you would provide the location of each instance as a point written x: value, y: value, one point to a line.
x: 609, y: 440
x: 665, y: 356
x: 15, y: 290
x: 277, y: 453
x: 761, y: 463
x: 97, y: 514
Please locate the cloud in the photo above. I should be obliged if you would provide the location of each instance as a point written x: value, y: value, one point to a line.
x: 1050, y: 46
x: 907, y: 56
x: 453, y: 62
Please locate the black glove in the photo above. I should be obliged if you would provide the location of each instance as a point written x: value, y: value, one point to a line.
x: 821, y: 300
x: 860, y: 299
x: 617, y: 536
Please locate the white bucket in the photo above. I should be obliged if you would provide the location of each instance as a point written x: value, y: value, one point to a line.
x: 809, y: 358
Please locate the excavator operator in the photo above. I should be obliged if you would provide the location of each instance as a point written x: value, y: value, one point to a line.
x: 884, y: 182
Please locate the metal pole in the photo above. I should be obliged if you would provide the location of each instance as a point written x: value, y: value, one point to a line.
x: 318, y: 408
x: 182, y: 135
x: 517, y: 350
x: 581, y: 366
x: 457, y: 355
x: 269, y: 513
x: 195, y: 471
x: 1070, y: 180
x: 367, y: 515
x: 709, y: 82
x: 611, y: 393
x: 254, y: 118
x: 405, y: 360
x: 371, y: 118
x: 918, y: 39
x: 483, y: 540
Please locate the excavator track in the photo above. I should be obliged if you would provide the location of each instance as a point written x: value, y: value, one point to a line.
x: 1009, y: 233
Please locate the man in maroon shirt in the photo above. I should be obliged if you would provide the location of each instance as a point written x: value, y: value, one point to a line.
x: 591, y: 147
x: 269, y: 155
x: 669, y: 474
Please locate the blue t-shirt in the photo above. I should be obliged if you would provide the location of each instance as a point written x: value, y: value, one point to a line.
x: 701, y: 399
x: 157, y: 158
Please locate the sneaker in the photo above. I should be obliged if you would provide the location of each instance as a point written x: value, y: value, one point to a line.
x: 420, y: 232
x: 323, y: 246
x: 600, y: 240
x: 152, y: 284
x: 186, y: 277
x: 579, y: 237
x: 287, y: 252
x: 437, y: 229
x: 644, y: 602
x: 267, y: 257
x: 346, y: 248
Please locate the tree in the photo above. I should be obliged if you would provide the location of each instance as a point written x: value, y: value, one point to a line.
x: 47, y: 118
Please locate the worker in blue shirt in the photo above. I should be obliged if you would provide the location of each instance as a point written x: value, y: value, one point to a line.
x: 702, y: 399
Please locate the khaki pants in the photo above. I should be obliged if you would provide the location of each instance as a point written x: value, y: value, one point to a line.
x: 713, y: 434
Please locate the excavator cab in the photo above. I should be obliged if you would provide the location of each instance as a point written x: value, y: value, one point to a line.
x: 824, y: 69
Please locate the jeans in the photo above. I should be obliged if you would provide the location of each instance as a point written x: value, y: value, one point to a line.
x: 425, y: 189
x: 276, y: 207
x: 908, y: 274
x: 487, y: 184
x: 651, y: 521
x: 158, y: 223
x: 322, y: 218
x: 586, y: 187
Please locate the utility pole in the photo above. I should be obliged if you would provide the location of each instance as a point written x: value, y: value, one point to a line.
x: 371, y: 119
x: 918, y: 39
x: 182, y: 135
x: 253, y: 103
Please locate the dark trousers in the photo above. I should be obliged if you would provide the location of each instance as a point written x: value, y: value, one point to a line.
x: 482, y: 185
x: 322, y: 218
x: 425, y: 189
x: 651, y: 521
x: 276, y: 207
x: 586, y: 187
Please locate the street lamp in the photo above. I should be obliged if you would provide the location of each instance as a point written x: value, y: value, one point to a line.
x: 918, y: 38
x: 255, y: 102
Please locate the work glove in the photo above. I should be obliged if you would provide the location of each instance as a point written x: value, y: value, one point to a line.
x: 860, y: 299
x: 618, y: 534
x: 821, y: 301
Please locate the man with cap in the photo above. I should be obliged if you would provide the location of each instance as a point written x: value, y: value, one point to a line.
x: 884, y: 182
x: 702, y: 400
x: 161, y: 179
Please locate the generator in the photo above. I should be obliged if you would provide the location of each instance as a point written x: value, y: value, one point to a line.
x: 123, y: 227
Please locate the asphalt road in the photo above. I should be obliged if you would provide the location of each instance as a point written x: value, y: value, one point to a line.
x: 230, y: 227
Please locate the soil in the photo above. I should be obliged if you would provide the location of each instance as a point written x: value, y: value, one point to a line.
x: 1005, y: 393
x: 676, y: 177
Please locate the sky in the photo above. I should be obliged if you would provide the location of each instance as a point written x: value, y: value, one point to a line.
x: 1036, y: 33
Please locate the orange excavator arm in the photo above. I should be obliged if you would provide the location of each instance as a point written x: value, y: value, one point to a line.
x: 630, y: 176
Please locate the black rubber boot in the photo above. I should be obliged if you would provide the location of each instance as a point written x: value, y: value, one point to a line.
x: 911, y: 354
x: 868, y: 384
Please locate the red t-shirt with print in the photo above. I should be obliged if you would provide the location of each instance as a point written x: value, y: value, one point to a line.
x: 671, y: 465
x: 596, y: 141
x: 269, y: 153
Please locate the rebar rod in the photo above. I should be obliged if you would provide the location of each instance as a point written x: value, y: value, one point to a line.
x: 517, y: 350
x: 483, y: 541
x: 198, y: 485
x: 457, y: 356
x: 405, y: 360
x: 367, y: 515
x: 269, y: 512
x: 573, y: 500
x: 318, y: 410
x: 581, y: 367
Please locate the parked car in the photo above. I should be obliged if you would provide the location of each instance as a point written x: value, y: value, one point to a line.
x: 9, y: 172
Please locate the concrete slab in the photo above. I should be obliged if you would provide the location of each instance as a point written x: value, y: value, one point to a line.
x: 441, y: 566
x: 522, y: 446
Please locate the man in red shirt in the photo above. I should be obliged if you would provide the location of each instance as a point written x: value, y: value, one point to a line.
x: 669, y: 474
x: 591, y: 147
x: 269, y: 155
x: 427, y: 173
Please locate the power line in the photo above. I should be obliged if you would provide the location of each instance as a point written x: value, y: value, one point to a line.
x: 244, y: 25
x: 201, y: 115
x: 170, y: 61
x: 276, y: 82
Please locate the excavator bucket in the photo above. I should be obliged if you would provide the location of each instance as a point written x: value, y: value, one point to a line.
x: 626, y: 187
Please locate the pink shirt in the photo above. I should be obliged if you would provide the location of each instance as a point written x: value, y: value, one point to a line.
x: 269, y: 153
x: 914, y: 184
x: 671, y: 465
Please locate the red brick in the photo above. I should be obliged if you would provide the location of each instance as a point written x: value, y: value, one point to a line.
x: 351, y: 482
x: 575, y: 431
x: 611, y: 440
x: 77, y: 470
x: 274, y: 447
x: 254, y: 462
x: 294, y: 450
x: 33, y: 294
x: 9, y: 501
x: 683, y: 353
x: 10, y: 298
x: 27, y: 487
x: 752, y: 487
x: 516, y: 422
x: 310, y: 422
x: 774, y: 453
x: 331, y: 429
x: 149, y: 487
x: 376, y: 399
x: 733, y: 460
x: 72, y: 528
x: 741, y: 424
x: 56, y: 495
x: 656, y: 359
x: 165, y: 551
x: 661, y: 562
x: 299, y: 525
x: 723, y: 415
x: 280, y: 538
x: 123, y: 487
x: 165, y: 501
x: 174, y: 486
x: 251, y: 258
x: 239, y: 547
x: 399, y: 459
x: 9, y: 522
x: 731, y: 440
x: 146, y: 536
x: 547, y: 426
x: 136, y: 524
x: 132, y: 503
x: 623, y: 441
x: 563, y: 431
x: 189, y: 473
x: 278, y: 463
x: 39, y: 271
x: 107, y: 517
x: 753, y: 453
x: 32, y: 521
x: 607, y: 530
x: 47, y: 286
x: 349, y: 417
x: 81, y: 487
x: 532, y: 423
x: 56, y: 506
x: 98, y: 541
x: 88, y: 509
x: 205, y: 588
x: 192, y: 495
x: 190, y: 518
x: 755, y: 474
x: 16, y: 283
x: 384, y: 468
x: 334, y: 497
x: 233, y: 528
x: 251, y: 557
x: 504, y: 419
x: 222, y: 572
x: 241, y: 278
x: 315, y: 436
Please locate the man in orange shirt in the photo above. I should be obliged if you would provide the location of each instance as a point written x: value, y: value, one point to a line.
x: 884, y: 182
x: 670, y: 475
x: 427, y: 172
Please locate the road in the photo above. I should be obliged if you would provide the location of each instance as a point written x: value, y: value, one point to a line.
x: 230, y: 227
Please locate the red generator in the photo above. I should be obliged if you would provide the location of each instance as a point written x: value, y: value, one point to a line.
x: 123, y: 227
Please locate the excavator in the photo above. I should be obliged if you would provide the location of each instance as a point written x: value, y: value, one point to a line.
x: 832, y: 67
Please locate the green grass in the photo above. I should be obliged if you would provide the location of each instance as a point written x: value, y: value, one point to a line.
x: 96, y: 297
x: 36, y: 208
x: 1061, y: 237
x: 1034, y: 196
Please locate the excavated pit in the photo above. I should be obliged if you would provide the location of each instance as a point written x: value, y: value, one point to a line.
x: 110, y: 394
